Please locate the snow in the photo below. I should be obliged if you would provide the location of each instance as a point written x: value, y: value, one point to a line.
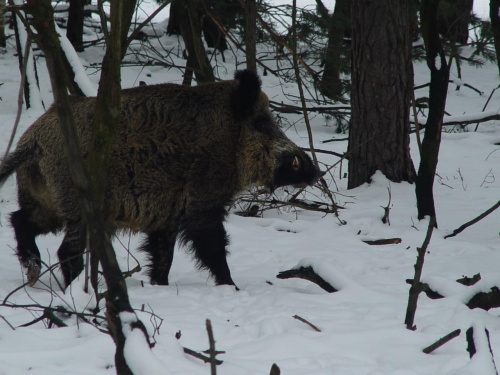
x: 481, y: 362
x: 137, y: 353
x: 81, y: 77
x: 362, y: 325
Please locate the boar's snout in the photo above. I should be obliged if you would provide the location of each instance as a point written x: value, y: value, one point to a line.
x: 296, y: 169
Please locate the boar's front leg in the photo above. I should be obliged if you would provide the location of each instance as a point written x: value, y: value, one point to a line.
x: 205, y: 230
x: 71, y: 251
x: 160, y: 248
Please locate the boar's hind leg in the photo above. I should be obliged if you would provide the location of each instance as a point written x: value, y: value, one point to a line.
x: 205, y: 231
x: 27, y: 251
x: 160, y: 248
x: 70, y: 252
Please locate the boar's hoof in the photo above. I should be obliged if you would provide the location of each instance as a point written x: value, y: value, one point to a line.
x: 158, y: 282
x: 33, y: 269
x: 229, y: 282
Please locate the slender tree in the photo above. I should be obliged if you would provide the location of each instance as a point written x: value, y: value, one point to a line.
x: 380, y: 96
x: 3, y: 41
x: 76, y: 16
x: 331, y: 84
x: 438, y: 89
x: 495, y: 26
x: 251, y: 34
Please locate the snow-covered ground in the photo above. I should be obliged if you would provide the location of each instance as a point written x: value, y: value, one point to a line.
x: 362, y: 325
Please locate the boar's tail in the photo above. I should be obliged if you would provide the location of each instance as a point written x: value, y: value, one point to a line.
x: 14, y: 160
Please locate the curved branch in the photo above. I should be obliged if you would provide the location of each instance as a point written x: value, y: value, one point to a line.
x: 474, y: 221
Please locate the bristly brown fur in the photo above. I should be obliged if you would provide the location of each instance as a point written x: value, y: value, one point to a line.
x: 246, y: 93
x: 179, y: 156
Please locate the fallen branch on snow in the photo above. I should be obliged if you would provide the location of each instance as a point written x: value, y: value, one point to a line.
x: 424, y: 287
x: 307, y: 322
x: 384, y: 241
x: 307, y: 273
x: 443, y: 340
x: 484, y: 300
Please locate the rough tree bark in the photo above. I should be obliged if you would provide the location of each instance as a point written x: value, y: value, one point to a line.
x: 495, y: 26
x: 331, y: 84
x: 379, y: 135
x: 117, y: 298
x: 438, y: 89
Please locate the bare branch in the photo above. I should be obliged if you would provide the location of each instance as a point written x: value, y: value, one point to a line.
x: 384, y: 241
x: 474, y: 221
x: 387, y: 209
x: 201, y: 356
x: 443, y: 340
x: 145, y: 22
x: 19, y: 98
x: 212, y: 352
x: 307, y: 273
x: 415, y: 289
x: 468, y: 119
x: 307, y: 322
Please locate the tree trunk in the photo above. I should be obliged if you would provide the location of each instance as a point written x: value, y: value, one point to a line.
x: 379, y: 134
x: 189, y: 16
x: 103, y: 130
x: 495, y: 26
x: 440, y: 73
x: 251, y: 34
x: 204, y: 73
x: 3, y: 41
x: 331, y: 84
x: 117, y: 299
x: 74, y: 31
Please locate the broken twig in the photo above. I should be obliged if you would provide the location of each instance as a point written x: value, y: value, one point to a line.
x: 307, y: 273
x: 383, y: 241
x: 415, y: 288
x: 443, y: 340
x: 307, y: 322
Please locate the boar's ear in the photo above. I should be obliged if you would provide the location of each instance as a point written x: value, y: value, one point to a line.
x: 245, y: 95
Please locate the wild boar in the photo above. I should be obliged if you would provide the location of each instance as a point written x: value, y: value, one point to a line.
x: 180, y: 155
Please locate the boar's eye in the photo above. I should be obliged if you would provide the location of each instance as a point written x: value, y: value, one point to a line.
x: 296, y: 169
